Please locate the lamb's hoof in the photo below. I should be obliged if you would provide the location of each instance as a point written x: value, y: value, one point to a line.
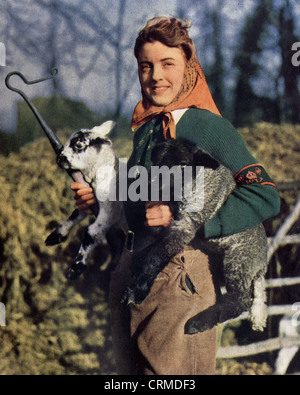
x: 75, y: 270
x: 133, y: 297
x: 190, y: 328
x: 128, y: 298
x: 258, y: 316
x: 54, y: 238
x: 199, y: 323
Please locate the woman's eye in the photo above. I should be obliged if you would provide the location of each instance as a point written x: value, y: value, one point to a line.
x: 144, y: 67
x: 168, y: 64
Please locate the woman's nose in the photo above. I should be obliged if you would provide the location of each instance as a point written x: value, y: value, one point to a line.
x: 157, y: 73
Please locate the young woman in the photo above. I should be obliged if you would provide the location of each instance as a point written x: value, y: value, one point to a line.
x: 176, y: 102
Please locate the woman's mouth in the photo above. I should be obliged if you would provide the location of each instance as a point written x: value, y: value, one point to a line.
x: 160, y: 89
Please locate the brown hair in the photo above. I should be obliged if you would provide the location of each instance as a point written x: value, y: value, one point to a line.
x: 169, y: 31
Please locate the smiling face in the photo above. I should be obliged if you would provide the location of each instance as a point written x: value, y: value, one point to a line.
x: 161, y: 71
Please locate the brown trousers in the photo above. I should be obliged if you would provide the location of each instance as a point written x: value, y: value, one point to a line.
x: 149, y: 339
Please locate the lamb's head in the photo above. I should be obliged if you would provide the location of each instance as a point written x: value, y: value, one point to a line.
x: 87, y: 149
x: 183, y: 153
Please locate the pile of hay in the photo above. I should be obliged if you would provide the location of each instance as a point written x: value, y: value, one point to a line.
x: 53, y: 326
x: 277, y: 147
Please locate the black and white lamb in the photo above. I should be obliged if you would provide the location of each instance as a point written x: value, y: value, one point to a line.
x: 90, y: 151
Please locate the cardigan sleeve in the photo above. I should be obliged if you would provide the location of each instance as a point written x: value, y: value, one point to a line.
x: 256, y: 197
x: 246, y: 207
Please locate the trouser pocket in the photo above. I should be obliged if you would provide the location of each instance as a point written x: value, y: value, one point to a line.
x: 189, y: 284
x: 196, y: 278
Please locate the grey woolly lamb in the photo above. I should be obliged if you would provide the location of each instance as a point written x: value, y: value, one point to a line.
x: 244, y: 254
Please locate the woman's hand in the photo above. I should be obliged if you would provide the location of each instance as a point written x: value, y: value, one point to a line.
x: 84, y: 196
x: 158, y: 214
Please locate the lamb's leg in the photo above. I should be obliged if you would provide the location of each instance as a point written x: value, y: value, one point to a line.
x: 95, y: 235
x: 61, y: 233
x: 230, y: 306
x: 239, y: 286
x: 237, y: 300
x: 245, y: 263
x: 258, y: 310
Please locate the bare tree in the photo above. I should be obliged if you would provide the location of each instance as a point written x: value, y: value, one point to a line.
x: 209, y: 22
x: 289, y: 73
x: 79, y: 36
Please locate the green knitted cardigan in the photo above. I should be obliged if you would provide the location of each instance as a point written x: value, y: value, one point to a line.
x: 253, y: 201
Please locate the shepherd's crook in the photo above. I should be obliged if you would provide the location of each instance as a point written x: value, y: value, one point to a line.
x: 54, y: 140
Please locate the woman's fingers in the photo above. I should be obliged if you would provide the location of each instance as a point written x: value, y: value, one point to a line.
x: 84, y: 195
x: 158, y: 214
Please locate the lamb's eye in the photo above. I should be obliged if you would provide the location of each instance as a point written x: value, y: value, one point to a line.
x: 80, y: 145
x: 79, y: 142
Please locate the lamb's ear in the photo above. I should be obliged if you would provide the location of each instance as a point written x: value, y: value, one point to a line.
x: 104, y: 129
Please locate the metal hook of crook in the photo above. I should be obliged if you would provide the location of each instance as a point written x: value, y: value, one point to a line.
x: 54, y: 140
x: 54, y: 72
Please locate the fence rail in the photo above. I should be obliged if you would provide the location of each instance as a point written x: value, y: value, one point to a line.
x: 271, y: 310
x: 270, y: 344
x: 282, y: 282
x: 257, y: 348
x: 281, y: 238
